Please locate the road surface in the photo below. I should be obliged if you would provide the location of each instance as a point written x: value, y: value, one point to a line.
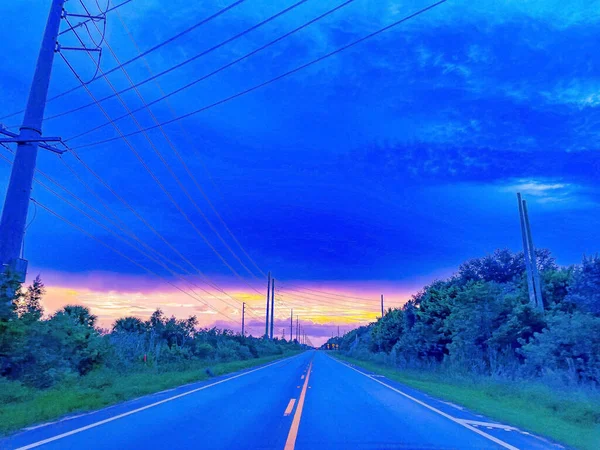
x: 309, y: 401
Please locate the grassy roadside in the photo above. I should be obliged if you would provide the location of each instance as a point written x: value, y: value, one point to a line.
x: 570, y: 417
x: 21, y: 406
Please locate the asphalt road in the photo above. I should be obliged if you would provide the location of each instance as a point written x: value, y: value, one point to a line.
x: 310, y: 401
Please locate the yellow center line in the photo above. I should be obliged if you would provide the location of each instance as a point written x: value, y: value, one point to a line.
x: 290, y: 407
x: 290, y: 444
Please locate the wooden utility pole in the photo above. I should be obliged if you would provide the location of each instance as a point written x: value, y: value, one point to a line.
x: 272, y: 305
x: 382, y: 306
x: 297, y: 329
x: 291, y: 325
x: 243, y: 314
x: 526, y: 253
x: 534, y: 268
x: 267, y: 314
x: 16, y: 203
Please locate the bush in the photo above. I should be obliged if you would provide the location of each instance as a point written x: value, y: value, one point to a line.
x: 570, y: 344
x: 204, y: 351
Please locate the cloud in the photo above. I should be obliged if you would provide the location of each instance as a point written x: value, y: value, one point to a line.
x: 581, y: 93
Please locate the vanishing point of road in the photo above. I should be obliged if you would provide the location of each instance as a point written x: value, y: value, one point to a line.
x: 308, y: 401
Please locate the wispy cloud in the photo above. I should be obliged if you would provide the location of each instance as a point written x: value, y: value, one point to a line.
x: 582, y: 93
x: 550, y: 192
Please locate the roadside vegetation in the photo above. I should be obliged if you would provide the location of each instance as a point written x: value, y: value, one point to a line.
x: 475, y: 340
x: 64, y: 363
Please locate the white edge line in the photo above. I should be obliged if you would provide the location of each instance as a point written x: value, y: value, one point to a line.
x: 441, y: 413
x: 128, y: 413
x: 489, y: 424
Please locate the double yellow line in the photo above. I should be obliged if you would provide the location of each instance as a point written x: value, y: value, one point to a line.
x: 290, y: 443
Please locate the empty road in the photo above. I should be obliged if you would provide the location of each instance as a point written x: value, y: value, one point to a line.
x: 309, y: 401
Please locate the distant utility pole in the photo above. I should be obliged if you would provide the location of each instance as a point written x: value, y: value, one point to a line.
x: 267, y: 314
x: 382, y: 306
x: 534, y: 267
x: 526, y: 254
x: 283, y: 334
x: 297, y: 329
x: 272, y: 305
x: 16, y: 203
x: 338, y: 331
x: 243, y: 314
x: 533, y: 280
x: 291, y: 325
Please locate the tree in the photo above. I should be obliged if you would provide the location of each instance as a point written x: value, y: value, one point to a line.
x: 80, y: 314
x: 129, y: 325
x: 502, y: 266
x: 570, y: 343
x: 584, y: 290
x: 29, y: 307
x: 10, y: 293
x: 387, y: 330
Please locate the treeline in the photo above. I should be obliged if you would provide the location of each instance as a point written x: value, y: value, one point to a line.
x: 43, y: 351
x: 480, y: 321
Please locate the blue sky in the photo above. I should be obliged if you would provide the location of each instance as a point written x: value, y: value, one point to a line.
x: 395, y: 160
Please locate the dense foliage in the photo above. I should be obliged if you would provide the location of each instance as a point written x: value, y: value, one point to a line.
x: 480, y: 321
x: 42, y: 351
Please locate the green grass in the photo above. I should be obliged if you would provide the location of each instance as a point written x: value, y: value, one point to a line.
x: 21, y: 406
x: 570, y: 416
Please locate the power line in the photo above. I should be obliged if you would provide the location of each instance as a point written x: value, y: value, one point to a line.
x: 329, y: 301
x: 132, y: 235
x: 150, y: 50
x: 144, y: 164
x: 126, y: 257
x: 327, y: 295
x: 107, y: 229
x: 220, y: 69
x: 168, y: 166
x: 272, y: 80
x: 187, y: 61
x: 155, y: 260
x: 189, y: 140
x: 302, y: 288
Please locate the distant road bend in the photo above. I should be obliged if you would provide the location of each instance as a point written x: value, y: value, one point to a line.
x: 309, y: 401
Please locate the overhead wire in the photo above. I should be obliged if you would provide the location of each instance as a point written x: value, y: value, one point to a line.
x: 277, y: 78
x: 129, y: 259
x: 35, y: 202
x: 154, y: 259
x: 212, y: 73
x: 150, y: 50
x: 132, y: 235
x: 170, y: 169
x: 212, y: 49
x: 148, y: 169
x: 191, y: 144
x: 324, y: 293
x: 116, y: 58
